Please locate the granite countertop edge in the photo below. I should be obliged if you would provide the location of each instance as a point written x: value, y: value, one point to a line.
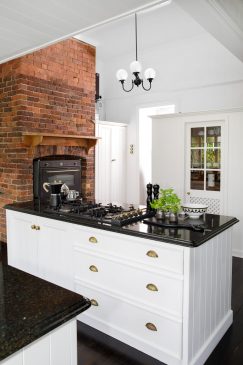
x: 39, y: 330
x: 125, y: 229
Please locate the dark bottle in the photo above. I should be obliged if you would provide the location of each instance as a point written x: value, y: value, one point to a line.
x: 156, y: 191
x: 149, y: 196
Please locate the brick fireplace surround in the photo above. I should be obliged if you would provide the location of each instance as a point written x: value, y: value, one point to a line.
x: 53, y: 91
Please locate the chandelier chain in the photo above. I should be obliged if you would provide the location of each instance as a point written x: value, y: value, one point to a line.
x: 136, y: 36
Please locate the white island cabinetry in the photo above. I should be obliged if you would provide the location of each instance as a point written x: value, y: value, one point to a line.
x: 170, y: 301
x: 40, y: 246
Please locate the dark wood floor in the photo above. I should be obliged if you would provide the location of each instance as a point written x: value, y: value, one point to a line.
x: 95, y: 348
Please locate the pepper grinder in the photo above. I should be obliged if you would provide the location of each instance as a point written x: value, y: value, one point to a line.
x: 149, y: 196
x: 156, y: 191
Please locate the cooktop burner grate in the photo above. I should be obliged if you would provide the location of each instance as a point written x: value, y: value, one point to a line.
x: 111, y: 214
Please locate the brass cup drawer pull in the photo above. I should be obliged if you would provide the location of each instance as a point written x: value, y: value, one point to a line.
x: 152, y: 287
x: 33, y: 226
x: 37, y: 228
x: 94, y: 302
x: 93, y: 268
x: 151, y: 326
x: 93, y: 239
x: 152, y: 254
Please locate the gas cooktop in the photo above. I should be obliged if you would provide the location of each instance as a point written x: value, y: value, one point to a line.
x: 111, y: 214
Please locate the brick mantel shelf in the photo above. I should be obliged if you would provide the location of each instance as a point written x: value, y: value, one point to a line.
x: 48, y: 139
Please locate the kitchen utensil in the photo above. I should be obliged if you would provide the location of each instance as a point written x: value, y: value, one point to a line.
x: 72, y: 195
x: 55, y: 187
x: 55, y: 190
x: 55, y: 200
x: 156, y: 191
x: 149, y: 196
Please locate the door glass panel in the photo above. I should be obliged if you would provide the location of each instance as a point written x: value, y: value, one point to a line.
x: 213, y: 138
x: 197, y: 137
x: 197, y: 180
x: 197, y: 159
x: 213, y: 180
x: 213, y: 158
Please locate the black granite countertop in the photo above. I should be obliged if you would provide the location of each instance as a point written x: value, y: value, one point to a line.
x: 31, y: 307
x: 213, y: 225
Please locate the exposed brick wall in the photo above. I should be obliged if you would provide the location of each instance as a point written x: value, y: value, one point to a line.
x: 53, y: 91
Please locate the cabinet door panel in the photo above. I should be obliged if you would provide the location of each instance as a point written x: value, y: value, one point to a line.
x: 15, y: 359
x: 22, y: 241
x: 54, y: 252
x: 39, y: 353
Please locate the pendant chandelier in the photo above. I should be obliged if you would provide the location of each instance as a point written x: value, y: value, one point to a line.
x: 136, y: 68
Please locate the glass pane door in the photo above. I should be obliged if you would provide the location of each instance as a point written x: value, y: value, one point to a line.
x: 205, y: 164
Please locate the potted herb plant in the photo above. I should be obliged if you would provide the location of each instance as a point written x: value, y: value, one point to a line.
x: 167, y: 203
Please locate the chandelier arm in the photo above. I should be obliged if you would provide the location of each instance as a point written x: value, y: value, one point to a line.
x: 150, y: 85
x: 127, y: 91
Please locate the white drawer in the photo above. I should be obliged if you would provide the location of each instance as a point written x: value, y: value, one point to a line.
x: 115, y: 315
x: 164, y: 256
x: 164, y: 292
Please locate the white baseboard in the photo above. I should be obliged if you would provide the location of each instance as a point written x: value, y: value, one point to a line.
x: 237, y: 253
x: 213, y: 340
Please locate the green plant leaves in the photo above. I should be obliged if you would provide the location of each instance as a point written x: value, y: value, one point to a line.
x: 168, y: 201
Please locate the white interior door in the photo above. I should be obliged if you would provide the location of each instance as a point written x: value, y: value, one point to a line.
x: 103, y: 165
x: 118, y: 166
x: 205, y: 164
x: 110, y: 181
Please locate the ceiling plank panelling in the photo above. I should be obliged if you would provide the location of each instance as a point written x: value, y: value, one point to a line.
x: 218, y: 20
x: 30, y: 25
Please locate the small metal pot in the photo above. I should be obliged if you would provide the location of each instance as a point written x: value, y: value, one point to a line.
x: 159, y: 214
x: 173, y: 217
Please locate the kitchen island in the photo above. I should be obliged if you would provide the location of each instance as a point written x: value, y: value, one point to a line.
x: 164, y: 291
x: 37, y: 320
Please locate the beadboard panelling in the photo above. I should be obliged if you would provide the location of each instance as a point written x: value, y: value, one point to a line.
x: 210, y: 305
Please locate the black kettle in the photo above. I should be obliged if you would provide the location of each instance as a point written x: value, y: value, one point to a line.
x: 56, y: 187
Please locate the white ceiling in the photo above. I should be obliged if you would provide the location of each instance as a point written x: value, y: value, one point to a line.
x: 156, y: 26
x: 29, y: 25
x: 177, y: 20
x: 223, y: 19
x: 26, y: 25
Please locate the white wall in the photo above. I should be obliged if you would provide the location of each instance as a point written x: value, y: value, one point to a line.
x: 195, y: 74
x: 235, y: 179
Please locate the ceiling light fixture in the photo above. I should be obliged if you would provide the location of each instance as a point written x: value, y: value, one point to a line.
x: 136, y: 68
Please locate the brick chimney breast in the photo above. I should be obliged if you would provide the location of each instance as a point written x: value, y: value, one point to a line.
x: 52, y: 91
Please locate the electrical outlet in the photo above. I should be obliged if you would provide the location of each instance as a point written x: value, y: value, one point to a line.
x: 131, y: 149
